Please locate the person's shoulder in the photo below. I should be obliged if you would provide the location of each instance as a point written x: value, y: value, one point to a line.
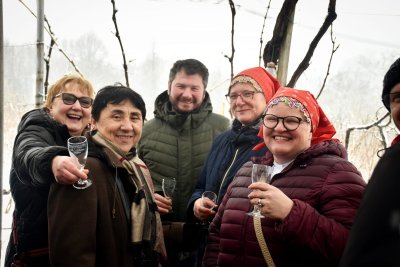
x: 388, y: 163
x: 219, y: 117
x: 151, y: 124
x: 225, y: 135
x: 219, y: 121
x: 392, y: 152
x: 39, y: 122
x: 34, y: 117
x: 155, y: 126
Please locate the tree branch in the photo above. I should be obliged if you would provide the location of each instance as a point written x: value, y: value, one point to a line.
x: 114, y: 18
x: 306, y: 61
x: 262, y: 33
x: 334, y: 49
x: 230, y: 58
x: 272, y: 48
x: 47, y: 59
x: 54, y: 39
x: 364, y: 127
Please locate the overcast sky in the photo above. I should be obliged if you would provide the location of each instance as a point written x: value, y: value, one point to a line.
x: 176, y: 29
x: 201, y: 29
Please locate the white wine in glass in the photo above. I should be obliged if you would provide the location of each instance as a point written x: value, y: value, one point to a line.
x: 260, y: 173
x: 78, y: 151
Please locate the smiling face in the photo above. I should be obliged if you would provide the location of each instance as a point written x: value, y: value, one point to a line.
x: 74, y: 116
x: 246, y: 109
x: 186, y: 92
x: 286, y: 145
x: 121, y: 124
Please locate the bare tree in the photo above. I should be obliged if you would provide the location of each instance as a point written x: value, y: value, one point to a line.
x: 230, y: 58
x: 125, y: 65
x: 47, y: 58
x: 272, y: 48
x: 368, y: 126
x: 262, y: 33
x: 306, y: 61
x: 334, y: 49
x: 53, y: 39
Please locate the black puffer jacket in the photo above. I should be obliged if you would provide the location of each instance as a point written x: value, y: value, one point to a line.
x: 39, y: 139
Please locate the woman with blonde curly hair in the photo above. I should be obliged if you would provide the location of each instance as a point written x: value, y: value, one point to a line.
x: 40, y: 157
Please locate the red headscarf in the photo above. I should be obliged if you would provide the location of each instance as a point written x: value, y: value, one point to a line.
x: 322, y: 128
x: 265, y: 81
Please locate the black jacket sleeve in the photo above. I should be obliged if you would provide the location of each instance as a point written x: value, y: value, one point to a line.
x: 34, y: 149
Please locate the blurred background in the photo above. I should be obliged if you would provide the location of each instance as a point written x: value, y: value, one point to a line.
x: 155, y: 34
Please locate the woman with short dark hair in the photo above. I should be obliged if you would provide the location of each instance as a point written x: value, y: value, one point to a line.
x: 115, y: 221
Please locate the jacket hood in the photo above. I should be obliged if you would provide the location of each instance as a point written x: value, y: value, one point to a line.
x: 246, y: 134
x: 40, y: 117
x: 163, y: 110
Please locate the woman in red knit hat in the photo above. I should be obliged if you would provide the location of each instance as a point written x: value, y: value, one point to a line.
x: 309, y: 204
x: 248, y: 94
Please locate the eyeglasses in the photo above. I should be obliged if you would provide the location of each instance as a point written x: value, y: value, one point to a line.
x: 290, y: 123
x: 391, y: 98
x: 246, y: 95
x: 70, y: 99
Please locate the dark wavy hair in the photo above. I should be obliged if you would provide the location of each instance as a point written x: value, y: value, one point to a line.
x: 115, y: 94
x: 191, y: 67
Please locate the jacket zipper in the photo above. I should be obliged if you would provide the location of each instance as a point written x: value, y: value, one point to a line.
x: 226, y: 173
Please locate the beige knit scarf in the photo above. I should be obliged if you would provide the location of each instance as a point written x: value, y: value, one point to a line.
x: 146, y: 224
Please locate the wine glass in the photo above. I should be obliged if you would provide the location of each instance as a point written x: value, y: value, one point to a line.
x: 168, y: 187
x: 210, y: 195
x: 260, y: 173
x: 78, y: 151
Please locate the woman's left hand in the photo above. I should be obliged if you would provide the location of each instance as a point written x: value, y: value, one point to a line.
x: 273, y: 203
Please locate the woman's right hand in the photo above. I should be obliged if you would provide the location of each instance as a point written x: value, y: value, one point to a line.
x: 164, y: 204
x: 65, y: 170
x: 201, y: 211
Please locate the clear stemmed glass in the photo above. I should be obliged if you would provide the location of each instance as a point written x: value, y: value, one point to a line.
x: 211, y: 196
x: 168, y: 187
x: 260, y: 173
x: 78, y: 151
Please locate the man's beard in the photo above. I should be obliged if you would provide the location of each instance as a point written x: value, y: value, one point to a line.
x: 192, y: 101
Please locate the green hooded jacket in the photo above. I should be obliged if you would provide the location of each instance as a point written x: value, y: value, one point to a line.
x: 176, y: 145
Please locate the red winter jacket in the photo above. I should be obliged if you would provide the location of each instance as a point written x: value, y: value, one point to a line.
x: 326, y: 189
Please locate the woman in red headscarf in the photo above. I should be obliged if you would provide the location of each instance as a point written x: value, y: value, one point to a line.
x: 248, y: 95
x: 311, y: 200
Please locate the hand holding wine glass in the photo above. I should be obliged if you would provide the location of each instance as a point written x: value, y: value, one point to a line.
x: 78, y: 151
x: 260, y: 173
x: 209, y: 199
x: 168, y: 187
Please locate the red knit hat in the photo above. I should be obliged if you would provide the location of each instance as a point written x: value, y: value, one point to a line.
x: 264, y: 81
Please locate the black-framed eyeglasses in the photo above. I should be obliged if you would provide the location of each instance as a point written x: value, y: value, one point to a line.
x: 70, y: 99
x: 391, y: 98
x: 245, y: 95
x: 290, y: 123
